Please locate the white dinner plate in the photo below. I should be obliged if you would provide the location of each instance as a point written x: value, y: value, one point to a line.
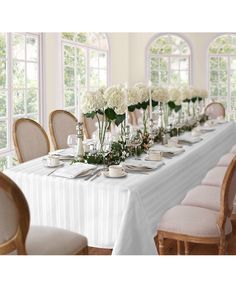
x: 106, y: 174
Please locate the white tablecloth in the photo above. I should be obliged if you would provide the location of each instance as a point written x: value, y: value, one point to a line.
x: 122, y: 214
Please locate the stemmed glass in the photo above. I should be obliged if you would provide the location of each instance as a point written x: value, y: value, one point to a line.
x: 72, y: 142
x: 135, y: 141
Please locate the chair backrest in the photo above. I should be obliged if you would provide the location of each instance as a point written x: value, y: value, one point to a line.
x: 30, y: 139
x: 136, y: 117
x: 228, y: 192
x: 214, y: 110
x: 91, y: 125
x: 61, y: 124
x: 14, y: 217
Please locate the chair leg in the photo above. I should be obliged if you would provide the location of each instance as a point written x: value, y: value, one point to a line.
x: 161, y: 245
x: 178, y: 247
x: 186, y: 248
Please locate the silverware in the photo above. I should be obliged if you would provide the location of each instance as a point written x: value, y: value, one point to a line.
x: 96, y: 175
x: 92, y: 174
x: 52, y: 171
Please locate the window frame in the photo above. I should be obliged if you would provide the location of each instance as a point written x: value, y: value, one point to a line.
x: 9, y: 150
x: 148, y: 56
x: 228, y: 107
x: 88, y: 49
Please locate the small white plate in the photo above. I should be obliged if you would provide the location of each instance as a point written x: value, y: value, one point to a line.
x: 106, y: 174
x: 53, y: 166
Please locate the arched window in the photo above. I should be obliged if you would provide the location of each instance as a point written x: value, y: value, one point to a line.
x: 222, y: 71
x: 85, y: 65
x: 169, y: 61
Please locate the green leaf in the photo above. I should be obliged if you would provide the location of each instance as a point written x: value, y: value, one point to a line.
x: 177, y: 108
x: 186, y: 101
x: 194, y: 99
x: 119, y: 119
x: 110, y: 113
x: 154, y: 103
x: 171, y: 105
x: 90, y: 115
x: 131, y: 108
x: 144, y: 105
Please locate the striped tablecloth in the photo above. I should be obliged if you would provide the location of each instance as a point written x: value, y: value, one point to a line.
x: 120, y: 213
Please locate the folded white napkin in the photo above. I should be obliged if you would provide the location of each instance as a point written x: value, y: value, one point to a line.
x: 63, y: 153
x: 142, y: 164
x: 173, y: 150
x: 74, y: 170
x: 190, y: 139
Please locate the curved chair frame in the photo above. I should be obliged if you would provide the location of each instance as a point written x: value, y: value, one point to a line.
x: 224, y: 213
x: 213, y: 103
x: 17, y: 242
x: 15, y: 140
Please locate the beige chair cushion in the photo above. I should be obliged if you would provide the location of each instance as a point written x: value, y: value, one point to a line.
x: 203, y: 196
x: 233, y: 150
x: 226, y: 159
x: 192, y: 221
x: 32, y: 142
x: 53, y: 241
x: 215, y: 176
x: 63, y: 124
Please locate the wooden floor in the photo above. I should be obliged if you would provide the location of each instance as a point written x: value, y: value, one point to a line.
x: 195, y: 249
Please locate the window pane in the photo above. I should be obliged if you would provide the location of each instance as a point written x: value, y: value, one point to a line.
x: 68, y: 36
x: 223, y: 89
x: 3, y: 71
x: 18, y: 102
x: 93, y: 58
x: 183, y: 63
x: 3, y: 104
x: 34, y: 117
x: 154, y: 77
x: 3, y: 163
x: 81, y: 37
x: 233, y: 90
x: 93, y: 78
x: 233, y: 76
x: 32, y: 75
x: 174, y: 77
x: 213, y: 76
x: 18, y: 74
x: 69, y: 98
x: 69, y: 77
x: 32, y: 101
x: 223, y: 63
x: 163, y: 77
x: 3, y: 134
x: 214, y: 89
x: 233, y: 63
x: 32, y: 48
x: 223, y: 76
x: 174, y: 62
x: 183, y: 78
x: 69, y: 55
x: 81, y: 66
x: 213, y: 63
x: 2, y: 45
x: 18, y: 46
x: 154, y: 63
x: 163, y: 63
x: 102, y: 60
x: 102, y: 78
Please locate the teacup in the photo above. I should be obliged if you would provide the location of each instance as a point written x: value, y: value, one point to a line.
x: 115, y: 170
x: 155, y: 155
x: 53, y: 160
x: 195, y: 133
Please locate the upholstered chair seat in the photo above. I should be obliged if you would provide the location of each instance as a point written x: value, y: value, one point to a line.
x: 203, y: 196
x: 214, y: 176
x: 233, y: 150
x: 192, y: 221
x: 225, y: 160
x: 42, y: 240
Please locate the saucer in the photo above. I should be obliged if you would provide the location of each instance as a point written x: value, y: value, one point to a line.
x: 106, y: 174
x: 53, y: 166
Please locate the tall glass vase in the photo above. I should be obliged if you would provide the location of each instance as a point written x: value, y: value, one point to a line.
x: 145, y: 120
x: 103, y: 124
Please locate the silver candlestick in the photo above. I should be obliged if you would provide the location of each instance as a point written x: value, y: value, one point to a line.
x: 80, y: 147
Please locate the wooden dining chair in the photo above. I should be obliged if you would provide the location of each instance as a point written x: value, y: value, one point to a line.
x: 214, y: 110
x: 30, y: 140
x: 200, y: 225
x: 61, y: 124
x: 16, y: 235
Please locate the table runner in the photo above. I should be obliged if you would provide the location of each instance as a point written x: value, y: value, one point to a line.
x: 122, y: 214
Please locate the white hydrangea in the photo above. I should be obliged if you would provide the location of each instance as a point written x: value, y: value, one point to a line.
x: 160, y: 94
x: 186, y: 93
x: 195, y: 92
x: 92, y: 102
x: 142, y: 91
x: 133, y: 96
x: 175, y: 96
x: 203, y: 94
x: 115, y: 99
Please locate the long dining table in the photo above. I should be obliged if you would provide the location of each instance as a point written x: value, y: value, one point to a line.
x: 121, y: 214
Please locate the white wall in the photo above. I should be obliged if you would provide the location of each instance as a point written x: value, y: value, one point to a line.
x: 127, y: 62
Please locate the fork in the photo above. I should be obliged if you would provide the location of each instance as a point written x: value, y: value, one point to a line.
x: 92, y: 174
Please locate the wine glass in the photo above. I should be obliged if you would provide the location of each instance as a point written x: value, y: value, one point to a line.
x: 72, y: 142
x: 135, y: 141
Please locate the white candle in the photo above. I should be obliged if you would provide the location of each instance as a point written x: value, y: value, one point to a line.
x: 80, y: 114
x: 126, y: 102
x: 150, y: 99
